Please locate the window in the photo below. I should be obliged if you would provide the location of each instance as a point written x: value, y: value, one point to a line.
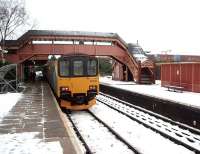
x: 64, y: 68
x: 77, y: 67
x: 92, y: 67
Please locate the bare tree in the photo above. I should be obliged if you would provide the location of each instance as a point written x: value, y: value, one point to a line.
x: 12, y: 16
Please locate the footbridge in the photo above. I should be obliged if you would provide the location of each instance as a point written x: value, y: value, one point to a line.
x: 37, y: 45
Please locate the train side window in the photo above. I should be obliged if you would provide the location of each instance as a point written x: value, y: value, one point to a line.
x: 64, y: 68
x: 78, y: 68
x: 92, y: 67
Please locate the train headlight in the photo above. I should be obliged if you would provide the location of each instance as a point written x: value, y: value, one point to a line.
x: 63, y: 89
x: 92, y: 87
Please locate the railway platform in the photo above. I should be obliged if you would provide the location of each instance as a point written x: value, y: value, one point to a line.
x: 37, y: 111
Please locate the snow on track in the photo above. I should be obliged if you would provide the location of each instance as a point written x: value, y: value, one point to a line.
x: 182, y: 135
x: 98, y: 138
x: 143, y: 139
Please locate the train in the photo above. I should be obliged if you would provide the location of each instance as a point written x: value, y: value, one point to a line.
x: 74, y: 80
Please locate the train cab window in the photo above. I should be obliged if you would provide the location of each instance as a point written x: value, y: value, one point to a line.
x: 78, y: 68
x: 64, y: 68
x: 92, y: 67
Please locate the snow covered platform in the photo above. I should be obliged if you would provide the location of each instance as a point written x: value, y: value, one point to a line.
x: 183, y: 106
x: 34, y: 124
x: 186, y: 98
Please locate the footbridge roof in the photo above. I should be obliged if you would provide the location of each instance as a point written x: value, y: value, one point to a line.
x: 55, y: 34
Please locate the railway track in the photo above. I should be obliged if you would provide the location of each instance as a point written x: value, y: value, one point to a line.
x: 173, y: 110
x: 176, y: 132
x: 114, y: 141
x: 87, y: 149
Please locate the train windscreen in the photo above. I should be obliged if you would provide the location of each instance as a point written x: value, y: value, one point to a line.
x: 92, y: 67
x: 64, y: 68
x: 76, y: 67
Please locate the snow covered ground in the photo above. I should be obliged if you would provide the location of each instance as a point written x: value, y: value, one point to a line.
x: 25, y: 142
x: 7, y: 101
x: 186, y: 98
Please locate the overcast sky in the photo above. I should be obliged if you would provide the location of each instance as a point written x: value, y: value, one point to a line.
x: 159, y: 25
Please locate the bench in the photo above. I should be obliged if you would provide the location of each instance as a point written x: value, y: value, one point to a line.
x: 174, y: 88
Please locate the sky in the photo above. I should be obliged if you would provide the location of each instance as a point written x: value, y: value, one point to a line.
x: 158, y: 25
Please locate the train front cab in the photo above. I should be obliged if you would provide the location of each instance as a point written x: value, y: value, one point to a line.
x: 78, y: 82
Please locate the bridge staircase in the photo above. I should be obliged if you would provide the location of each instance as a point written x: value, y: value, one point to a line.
x: 146, y: 77
x: 145, y: 65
